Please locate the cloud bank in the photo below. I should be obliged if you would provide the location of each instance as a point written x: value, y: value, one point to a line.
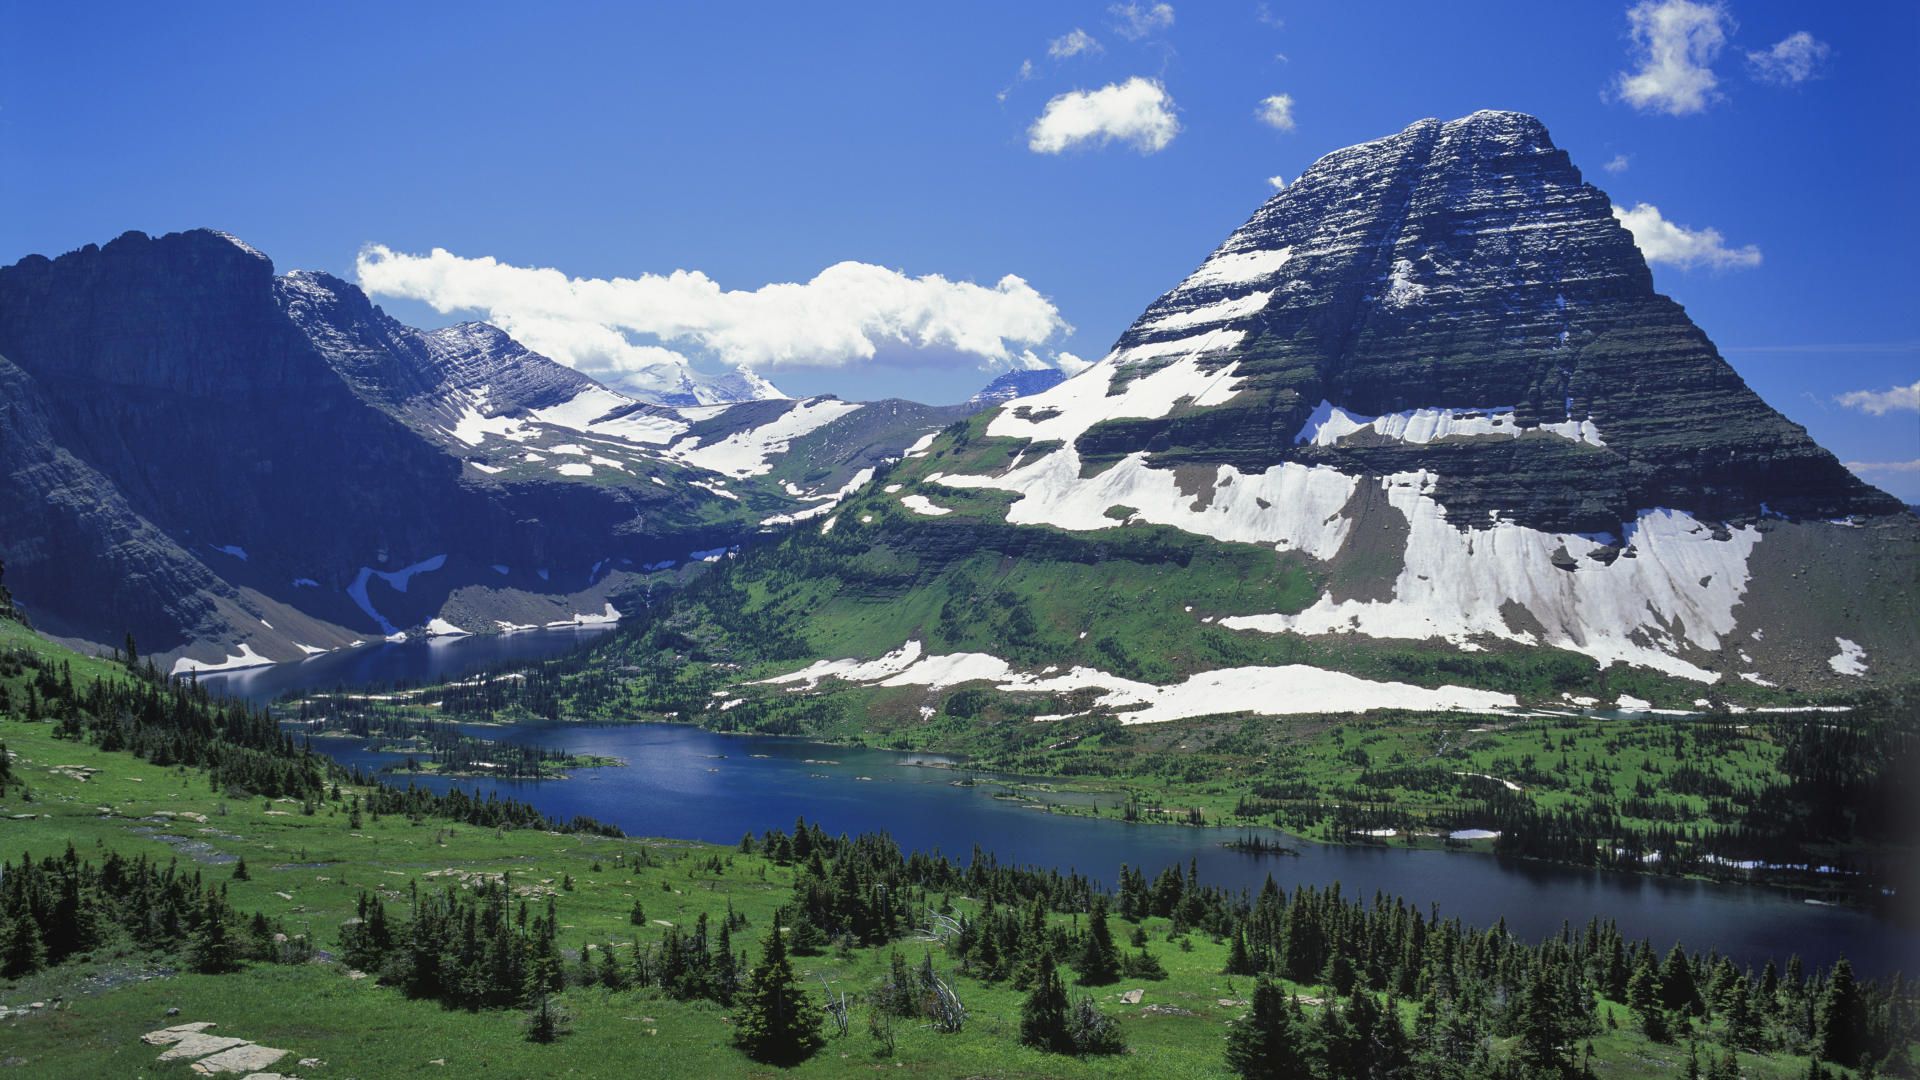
x: 1675, y: 43
x: 1137, y: 113
x: 1663, y: 241
x: 847, y: 314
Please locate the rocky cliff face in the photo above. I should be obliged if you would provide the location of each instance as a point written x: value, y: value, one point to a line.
x: 221, y: 460
x: 1436, y: 367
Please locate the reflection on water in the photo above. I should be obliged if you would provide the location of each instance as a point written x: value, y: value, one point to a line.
x: 689, y: 783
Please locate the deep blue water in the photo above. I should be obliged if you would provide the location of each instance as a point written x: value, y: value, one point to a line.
x: 688, y: 783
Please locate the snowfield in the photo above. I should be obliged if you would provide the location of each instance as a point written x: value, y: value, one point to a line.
x: 1286, y: 690
x: 1679, y: 591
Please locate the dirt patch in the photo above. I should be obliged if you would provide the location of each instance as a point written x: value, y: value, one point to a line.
x: 1369, y: 564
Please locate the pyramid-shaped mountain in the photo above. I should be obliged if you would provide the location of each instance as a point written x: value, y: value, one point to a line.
x: 1433, y: 380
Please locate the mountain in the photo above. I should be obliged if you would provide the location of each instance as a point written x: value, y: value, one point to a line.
x: 1420, y: 434
x: 237, y: 467
x: 1017, y: 384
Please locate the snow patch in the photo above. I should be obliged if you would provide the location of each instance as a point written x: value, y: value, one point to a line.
x: 1268, y: 691
x: 574, y: 468
x: 1329, y: 424
x: 920, y: 504
x: 246, y: 658
x: 1455, y: 582
x: 1850, y: 660
x: 750, y: 452
x: 1236, y: 268
x: 438, y: 627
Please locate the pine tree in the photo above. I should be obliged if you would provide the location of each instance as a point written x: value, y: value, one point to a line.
x: 1238, y: 962
x: 1678, y: 991
x: 1099, y: 962
x: 777, y: 1025
x: 1265, y: 1043
x: 1837, y: 1020
x: 1546, y: 1043
x: 1043, y: 1017
x: 21, y: 950
x: 240, y: 871
x: 213, y: 950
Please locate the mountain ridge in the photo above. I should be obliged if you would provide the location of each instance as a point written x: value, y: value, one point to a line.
x: 223, y: 461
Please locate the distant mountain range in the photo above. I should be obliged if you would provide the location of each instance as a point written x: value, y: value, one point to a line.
x: 1420, y: 434
x: 238, y: 467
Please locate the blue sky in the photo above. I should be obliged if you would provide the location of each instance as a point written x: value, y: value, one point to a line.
x: 763, y: 143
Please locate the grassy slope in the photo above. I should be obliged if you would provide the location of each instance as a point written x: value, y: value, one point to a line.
x: 308, y: 870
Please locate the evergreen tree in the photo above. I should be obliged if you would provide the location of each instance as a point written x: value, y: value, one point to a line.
x: 1837, y: 1020
x: 1043, y: 1017
x: 213, y: 950
x: 1099, y: 961
x: 1238, y: 962
x: 1678, y: 990
x: 777, y: 1025
x: 1546, y: 1040
x: 1265, y: 1043
x: 21, y: 950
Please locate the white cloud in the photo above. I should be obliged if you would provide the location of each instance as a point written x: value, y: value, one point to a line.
x: 1882, y: 402
x: 1793, y: 60
x: 1070, y: 363
x: 1618, y: 164
x: 1138, y: 112
x: 1279, y: 182
x: 1663, y: 241
x: 1276, y: 111
x: 1884, y: 466
x: 1134, y: 21
x: 1025, y: 73
x: 1675, y: 42
x: 846, y: 314
x: 1072, y: 44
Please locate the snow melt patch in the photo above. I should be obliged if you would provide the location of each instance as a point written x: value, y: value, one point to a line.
x: 1455, y: 582
x: 1285, y: 690
x: 574, y: 468
x: 607, y: 617
x: 439, y: 627
x: 1291, y: 506
x: 859, y: 481
x: 247, y: 658
x: 1237, y: 268
x: 310, y: 650
x: 1330, y: 424
x: 750, y: 452
x: 1219, y: 311
x: 920, y: 504
x: 357, y: 591
x: 1850, y: 660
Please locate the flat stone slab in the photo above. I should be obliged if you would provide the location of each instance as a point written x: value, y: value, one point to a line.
x: 1132, y: 997
x: 245, y: 1058
x: 169, y: 1036
x: 195, y: 1045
